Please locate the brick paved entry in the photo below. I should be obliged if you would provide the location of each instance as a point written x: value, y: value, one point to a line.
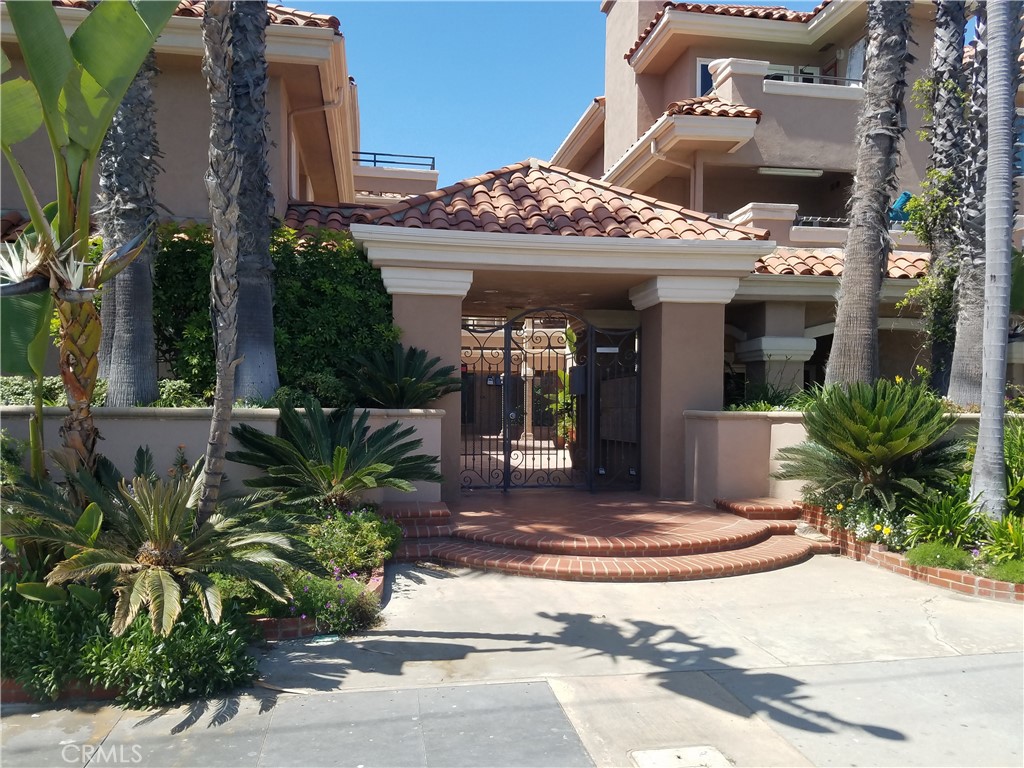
x: 602, y: 537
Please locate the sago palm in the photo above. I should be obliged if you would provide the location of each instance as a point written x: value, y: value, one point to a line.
x: 404, y: 378
x: 328, y: 458
x: 144, y: 538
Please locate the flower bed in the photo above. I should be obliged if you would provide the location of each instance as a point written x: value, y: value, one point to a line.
x: 297, y: 627
x: 878, y: 555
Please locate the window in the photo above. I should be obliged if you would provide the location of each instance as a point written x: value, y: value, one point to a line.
x: 705, y: 82
x: 855, y: 64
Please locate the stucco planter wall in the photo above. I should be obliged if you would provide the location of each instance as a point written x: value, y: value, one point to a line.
x: 123, y: 430
x: 731, y: 454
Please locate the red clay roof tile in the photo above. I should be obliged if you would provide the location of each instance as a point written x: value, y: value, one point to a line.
x: 828, y: 262
x: 711, y: 106
x: 767, y: 12
x: 533, y: 197
x: 278, y: 14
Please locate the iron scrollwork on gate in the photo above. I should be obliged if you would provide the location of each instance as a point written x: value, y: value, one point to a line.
x: 533, y: 412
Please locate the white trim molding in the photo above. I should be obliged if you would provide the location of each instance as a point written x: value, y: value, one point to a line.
x: 813, y: 90
x: 587, y: 134
x: 497, y: 251
x: 760, y: 287
x: 912, y: 324
x: 784, y: 212
x: 796, y: 349
x: 683, y: 290
x: 416, y: 281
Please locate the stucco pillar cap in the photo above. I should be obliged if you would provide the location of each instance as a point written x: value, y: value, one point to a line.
x: 698, y: 289
x: 421, y: 281
x: 794, y: 349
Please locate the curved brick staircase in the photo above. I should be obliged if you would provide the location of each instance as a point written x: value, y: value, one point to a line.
x: 605, y: 537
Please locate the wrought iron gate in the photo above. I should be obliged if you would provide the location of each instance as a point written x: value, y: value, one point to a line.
x: 549, y: 401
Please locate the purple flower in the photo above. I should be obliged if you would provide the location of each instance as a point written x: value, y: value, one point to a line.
x: 328, y: 606
x: 303, y: 617
x: 975, y: 552
x: 305, y: 589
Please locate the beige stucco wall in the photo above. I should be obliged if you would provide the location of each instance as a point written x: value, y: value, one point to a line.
x: 124, y: 430
x: 183, y: 131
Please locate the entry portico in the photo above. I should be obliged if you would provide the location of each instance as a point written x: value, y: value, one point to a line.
x: 532, y: 235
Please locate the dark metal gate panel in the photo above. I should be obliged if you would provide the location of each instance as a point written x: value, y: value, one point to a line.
x: 542, y: 394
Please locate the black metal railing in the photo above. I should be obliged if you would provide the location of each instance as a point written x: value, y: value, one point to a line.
x: 388, y: 160
x: 821, y: 221
x: 812, y: 78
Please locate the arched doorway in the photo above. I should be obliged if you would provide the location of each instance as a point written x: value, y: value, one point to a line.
x: 549, y: 400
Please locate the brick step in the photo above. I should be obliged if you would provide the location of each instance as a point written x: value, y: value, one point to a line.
x: 425, y: 530
x: 736, y: 535
x: 761, y: 509
x: 420, y: 512
x: 775, y: 552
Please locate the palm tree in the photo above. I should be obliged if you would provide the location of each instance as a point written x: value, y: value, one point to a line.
x: 223, y: 180
x: 127, y: 206
x: 965, y: 369
x: 988, y: 480
x: 257, y: 372
x: 947, y: 95
x: 879, y: 128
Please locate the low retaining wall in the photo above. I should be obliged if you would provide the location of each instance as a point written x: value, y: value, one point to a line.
x: 123, y: 430
x: 879, y: 556
x: 12, y: 693
x: 731, y: 454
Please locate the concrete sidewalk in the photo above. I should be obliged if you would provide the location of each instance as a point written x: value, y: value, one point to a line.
x: 827, y: 663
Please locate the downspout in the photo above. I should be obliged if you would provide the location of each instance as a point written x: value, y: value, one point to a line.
x: 291, y: 134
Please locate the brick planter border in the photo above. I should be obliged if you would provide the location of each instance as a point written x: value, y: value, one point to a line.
x: 879, y: 556
x: 294, y: 628
x: 12, y: 692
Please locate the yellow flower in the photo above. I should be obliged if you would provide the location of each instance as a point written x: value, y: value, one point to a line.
x: 878, y: 527
x: 887, y: 530
x: 839, y: 507
x: 899, y: 379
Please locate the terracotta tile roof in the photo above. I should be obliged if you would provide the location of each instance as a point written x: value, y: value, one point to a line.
x: 302, y: 216
x: 767, y: 12
x: 711, y: 106
x: 828, y: 262
x: 533, y: 197
x: 279, y: 14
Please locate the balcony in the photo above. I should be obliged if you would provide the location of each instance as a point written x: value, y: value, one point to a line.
x: 382, y: 178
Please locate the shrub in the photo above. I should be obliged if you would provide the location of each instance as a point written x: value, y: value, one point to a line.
x: 327, y: 459
x: 329, y: 306
x: 340, y: 604
x: 42, y: 642
x: 12, y: 453
x: 938, y: 555
x: 1011, y: 570
x: 17, y: 390
x: 402, y: 378
x: 946, y: 518
x: 175, y: 393
x: 873, y: 440
x: 196, y: 660
x: 1005, y: 540
x: 354, y: 542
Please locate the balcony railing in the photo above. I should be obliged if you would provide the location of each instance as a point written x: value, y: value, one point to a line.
x: 798, y: 77
x: 388, y: 160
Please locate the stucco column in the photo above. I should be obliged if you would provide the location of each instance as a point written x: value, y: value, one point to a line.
x: 776, y: 362
x: 426, y: 305
x: 682, y: 332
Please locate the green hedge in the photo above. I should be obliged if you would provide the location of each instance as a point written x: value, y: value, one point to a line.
x: 330, y: 306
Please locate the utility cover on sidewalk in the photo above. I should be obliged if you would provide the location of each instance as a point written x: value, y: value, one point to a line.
x: 680, y: 757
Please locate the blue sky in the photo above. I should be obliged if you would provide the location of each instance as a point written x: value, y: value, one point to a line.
x: 478, y: 85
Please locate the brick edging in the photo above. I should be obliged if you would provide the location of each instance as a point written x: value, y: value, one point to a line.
x: 12, y: 692
x: 295, y: 628
x: 879, y: 556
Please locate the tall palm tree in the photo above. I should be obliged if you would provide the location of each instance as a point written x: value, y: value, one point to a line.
x: 257, y: 373
x: 223, y: 180
x: 879, y: 129
x: 947, y: 96
x: 126, y: 206
x: 965, y: 370
x: 988, y: 480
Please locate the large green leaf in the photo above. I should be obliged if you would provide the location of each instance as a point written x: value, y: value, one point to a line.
x: 25, y: 321
x: 22, y: 113
x: 42, y: 593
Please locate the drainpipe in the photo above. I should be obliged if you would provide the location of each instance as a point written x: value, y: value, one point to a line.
x: 337, y: 102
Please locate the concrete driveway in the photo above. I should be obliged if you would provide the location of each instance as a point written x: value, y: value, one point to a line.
x: 827, y: 663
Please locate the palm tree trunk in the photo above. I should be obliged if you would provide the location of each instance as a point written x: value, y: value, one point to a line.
x: 222, y: 183
x: 965, y: 369
x: 879, y: 128
x: 949, y: 127
x: 256, y: 376
x: 988, y: 480
x: 127, y: 206
x: 79, y: 367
